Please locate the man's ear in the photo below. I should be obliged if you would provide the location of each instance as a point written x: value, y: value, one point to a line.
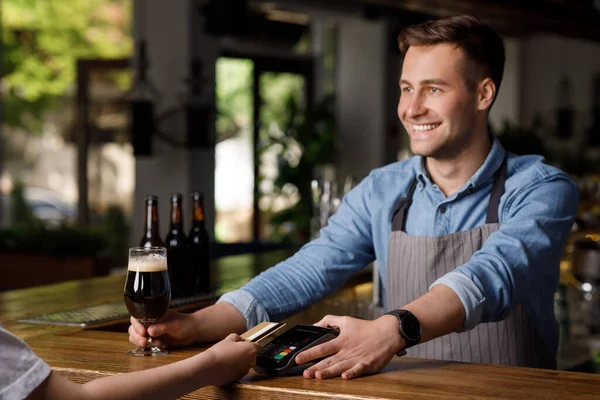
x: 486, y: 92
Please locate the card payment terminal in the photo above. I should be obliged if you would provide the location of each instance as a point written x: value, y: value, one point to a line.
x: 278, y: 357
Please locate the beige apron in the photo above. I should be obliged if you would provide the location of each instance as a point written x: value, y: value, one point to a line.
x: 415, y: 262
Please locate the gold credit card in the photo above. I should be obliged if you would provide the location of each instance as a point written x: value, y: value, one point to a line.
x: 264, y: 332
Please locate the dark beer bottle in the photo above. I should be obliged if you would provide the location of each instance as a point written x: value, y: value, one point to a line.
x: 176, y: 243
x: 151, y: 237
x: 199, y: 245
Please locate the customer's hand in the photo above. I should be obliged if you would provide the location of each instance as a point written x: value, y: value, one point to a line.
x: 230, y: 359
x: 362, y: 348
x: 172, y: 330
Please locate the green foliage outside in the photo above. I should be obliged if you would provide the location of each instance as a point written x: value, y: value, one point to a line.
x: 313, y: 133
x: 42, y: 41
x: 233, y: 97
x: 301, y: 140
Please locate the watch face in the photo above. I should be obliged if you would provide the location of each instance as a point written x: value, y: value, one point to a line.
x: 411, y: 326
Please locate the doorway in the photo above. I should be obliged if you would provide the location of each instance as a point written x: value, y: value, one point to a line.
x: 255, y: 96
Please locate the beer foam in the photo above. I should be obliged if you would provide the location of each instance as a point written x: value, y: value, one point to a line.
x: 148, y: 263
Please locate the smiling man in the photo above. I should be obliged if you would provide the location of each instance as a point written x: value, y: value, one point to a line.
x: 468, y: 236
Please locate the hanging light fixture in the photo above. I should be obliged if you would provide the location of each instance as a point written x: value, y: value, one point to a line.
x: 142, y: 96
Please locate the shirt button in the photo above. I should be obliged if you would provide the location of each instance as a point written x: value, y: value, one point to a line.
x: 442, y: 210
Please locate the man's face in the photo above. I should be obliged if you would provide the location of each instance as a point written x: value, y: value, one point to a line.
x: 436, y: 107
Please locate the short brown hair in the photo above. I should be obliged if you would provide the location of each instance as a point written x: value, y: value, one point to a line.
x: 481, y: 45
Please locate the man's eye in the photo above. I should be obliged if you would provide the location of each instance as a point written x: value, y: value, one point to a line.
x: 434, y: 90
x: 407, y: 90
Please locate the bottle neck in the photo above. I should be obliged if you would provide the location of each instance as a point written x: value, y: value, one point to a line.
x: 198, y: 214
x: 176, y: 222
x: 152, y: 220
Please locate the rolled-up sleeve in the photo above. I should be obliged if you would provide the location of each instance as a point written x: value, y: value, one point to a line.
x: 518, y: 263
x: 21, y: 369
x: 469, y: 294
x: 247, y: 305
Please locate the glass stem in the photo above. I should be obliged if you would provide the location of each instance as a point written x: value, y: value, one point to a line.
x: 148, y: 337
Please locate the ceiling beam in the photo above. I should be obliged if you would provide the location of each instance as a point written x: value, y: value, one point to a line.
x: 570, y: 18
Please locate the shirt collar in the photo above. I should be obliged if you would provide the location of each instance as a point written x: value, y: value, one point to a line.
x: 480, y: 177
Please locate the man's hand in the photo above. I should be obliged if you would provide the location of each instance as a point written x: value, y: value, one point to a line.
x: 209, y: 324
x: 362, y: 348
x: 174, y: 329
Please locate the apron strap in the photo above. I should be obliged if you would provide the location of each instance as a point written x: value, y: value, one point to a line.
x: 496, y: 194
x: 401, y: 208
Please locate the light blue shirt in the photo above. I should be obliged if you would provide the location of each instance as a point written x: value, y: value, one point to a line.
x: 518, y: 264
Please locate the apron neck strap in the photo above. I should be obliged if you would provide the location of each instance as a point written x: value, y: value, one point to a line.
x: 401, y: 208
x: 496, y: 194
x: 400, y: 212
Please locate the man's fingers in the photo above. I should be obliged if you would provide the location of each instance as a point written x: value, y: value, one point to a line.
x: 308, y: 373
x: 329, y: 320
x: 322, y: 365
x: 319, y: 351
x: 157, y: 329
x: 334, y: 370
x: 137, y: 325
x: 354, y: 372
x: 135, y: 337
x: 142, y: 342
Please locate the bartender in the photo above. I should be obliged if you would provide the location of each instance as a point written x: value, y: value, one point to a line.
x: 469, y: 236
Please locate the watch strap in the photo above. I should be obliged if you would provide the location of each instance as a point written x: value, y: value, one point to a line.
x: 409, y: 342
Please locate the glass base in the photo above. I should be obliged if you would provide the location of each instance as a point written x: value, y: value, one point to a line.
x: 148, y: 351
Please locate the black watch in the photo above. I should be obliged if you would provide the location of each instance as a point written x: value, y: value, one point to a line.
x: 409, y: 328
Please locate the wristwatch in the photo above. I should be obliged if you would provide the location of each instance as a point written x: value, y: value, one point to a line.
x: 409, y: 328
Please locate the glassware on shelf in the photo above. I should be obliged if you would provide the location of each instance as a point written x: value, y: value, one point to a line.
x: 326, y: 197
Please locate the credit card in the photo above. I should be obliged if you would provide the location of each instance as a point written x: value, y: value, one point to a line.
x: 264, y: 332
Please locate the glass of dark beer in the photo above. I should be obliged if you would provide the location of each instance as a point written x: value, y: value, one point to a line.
x: 147, y: 291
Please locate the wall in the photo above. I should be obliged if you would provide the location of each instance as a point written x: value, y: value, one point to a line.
x: 507, y: 105
x: 362, y: 61
x: 545, y: 58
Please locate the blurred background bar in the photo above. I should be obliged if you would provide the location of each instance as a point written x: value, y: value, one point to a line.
x: 273, y: 110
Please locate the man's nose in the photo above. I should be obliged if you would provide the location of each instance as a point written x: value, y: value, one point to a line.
x: 416, y: 107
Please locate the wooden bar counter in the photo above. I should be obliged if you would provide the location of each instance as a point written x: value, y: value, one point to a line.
x: 85, y: 354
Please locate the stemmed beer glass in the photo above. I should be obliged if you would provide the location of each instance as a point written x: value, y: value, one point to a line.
x: 147, y: 291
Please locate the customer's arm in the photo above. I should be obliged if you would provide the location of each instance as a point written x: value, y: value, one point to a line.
x: 226, y: 361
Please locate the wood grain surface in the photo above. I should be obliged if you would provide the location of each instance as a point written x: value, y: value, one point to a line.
x: 86, y: 355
